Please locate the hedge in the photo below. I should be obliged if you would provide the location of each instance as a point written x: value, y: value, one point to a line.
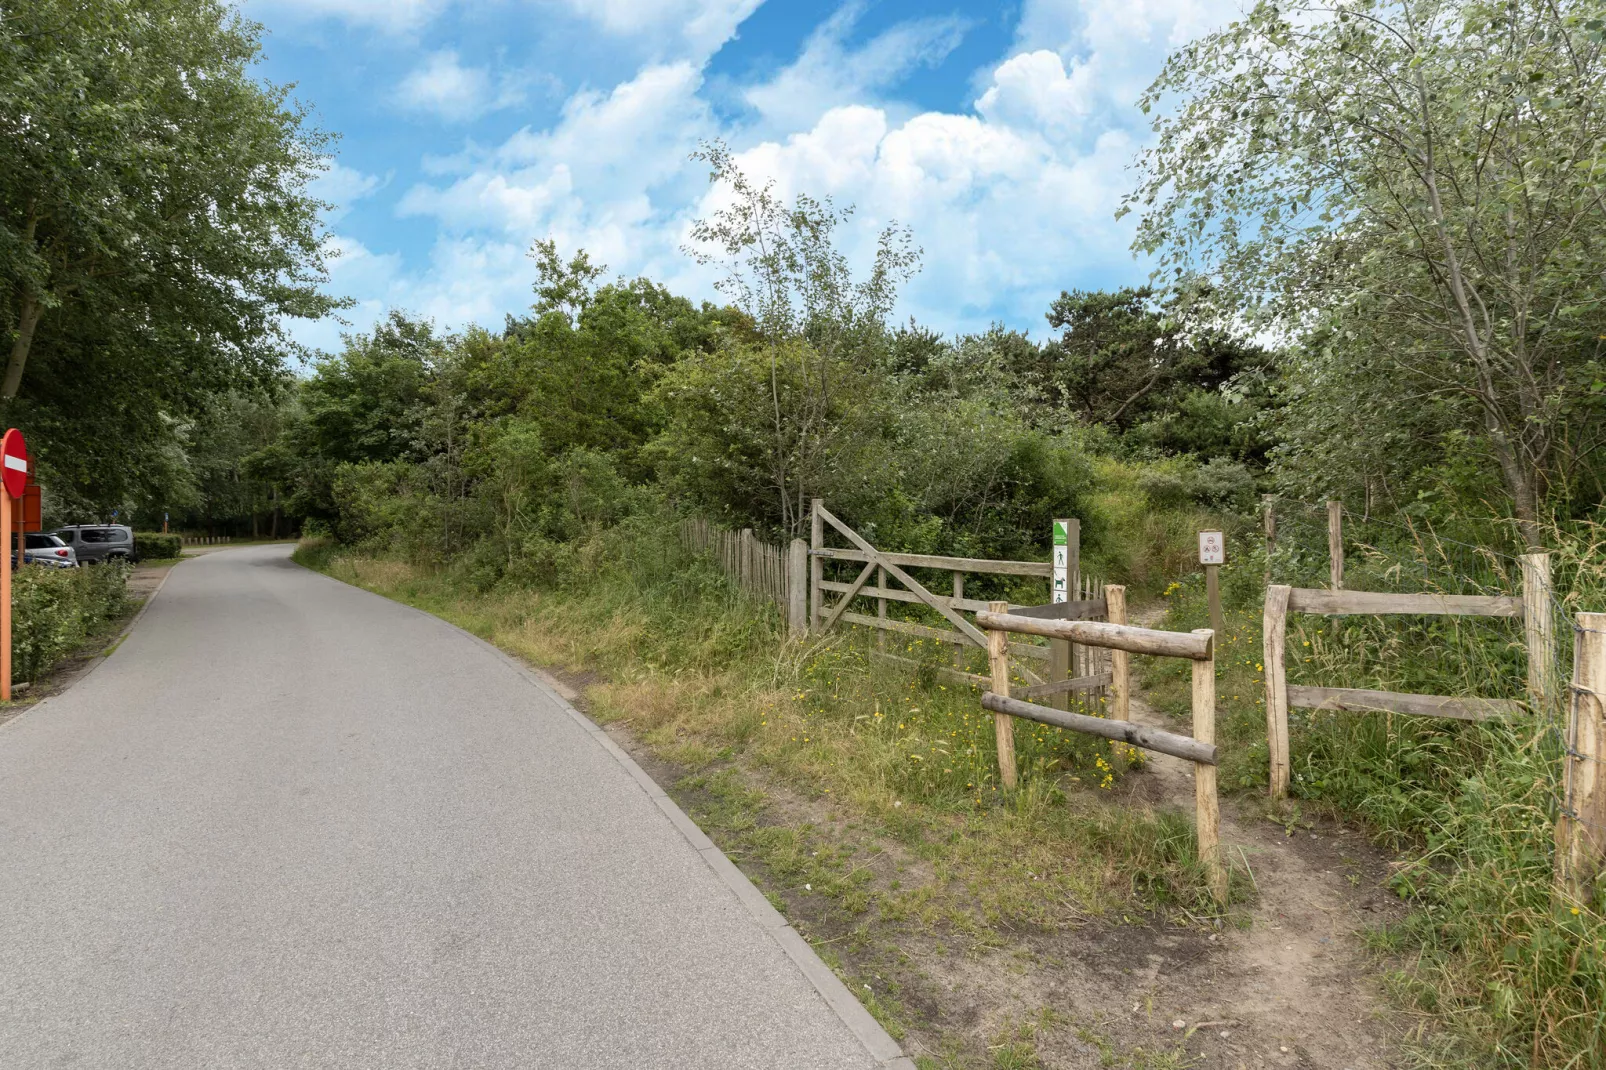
x: 154, y: 544
x: 55, y: 610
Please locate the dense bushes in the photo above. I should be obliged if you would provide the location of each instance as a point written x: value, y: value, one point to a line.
x: 150, y: 545
x: 53, y: 611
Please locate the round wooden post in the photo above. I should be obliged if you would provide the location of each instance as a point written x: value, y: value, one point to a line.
x: 1003, y: 726
x: 1335, y: 545
x: 1120, y: 660
x: 1274, y: 635
x: 1581, y: 828
x: 1538, y: 632
x: 1207, y: 808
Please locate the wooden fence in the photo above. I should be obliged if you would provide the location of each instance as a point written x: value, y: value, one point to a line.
x: 762, y: 570
x: 1066, y: 668
x: 1198, y: 647
x: 206, y: 540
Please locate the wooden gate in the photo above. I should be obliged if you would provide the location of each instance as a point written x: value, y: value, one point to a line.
x: 1062, y: 668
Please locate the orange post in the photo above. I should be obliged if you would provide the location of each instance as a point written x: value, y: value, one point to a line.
x: 5, y: 597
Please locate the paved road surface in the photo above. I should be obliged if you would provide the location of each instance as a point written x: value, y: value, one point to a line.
x: 291, y: 824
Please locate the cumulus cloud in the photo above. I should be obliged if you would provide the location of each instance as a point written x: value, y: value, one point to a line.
x: 828, y: 73
x: 392, y: 16
x: 668, y: 28
x: 442, y: 86
x: 1012, y: 199
x: 341, y: 186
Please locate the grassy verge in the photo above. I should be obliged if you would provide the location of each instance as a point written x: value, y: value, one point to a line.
x: 1507, y: 976
x: 862, y: 797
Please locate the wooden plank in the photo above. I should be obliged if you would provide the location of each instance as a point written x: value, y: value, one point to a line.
x: 893, y: 594
x: 950, y: 564
x: 1343, y: 603
x: 1361, y: 700
x: 1080, y: 609
x: 904, y: 578
x: 1207, y: 806
x: 797, y: 590
x: 941, y: 635
x: 1003, y: 727
x: 1155, y: 739
x: 1097, y: 633
x: 842, y: 605
x: 816, y: 565
x: 1060, y: 687
x: 1274, y: 633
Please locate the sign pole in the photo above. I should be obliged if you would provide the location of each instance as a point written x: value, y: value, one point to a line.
x: 1212, y: 552
x: 1067, y: 565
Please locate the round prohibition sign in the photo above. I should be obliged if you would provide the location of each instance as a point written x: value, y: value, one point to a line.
x: 14, y: 457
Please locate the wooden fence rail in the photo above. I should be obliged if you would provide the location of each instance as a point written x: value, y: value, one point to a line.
x: 1198, y: 647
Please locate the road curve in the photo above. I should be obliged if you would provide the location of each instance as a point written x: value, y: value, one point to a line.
x: 288, y: 823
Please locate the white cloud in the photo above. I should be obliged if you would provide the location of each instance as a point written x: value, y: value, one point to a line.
x: 341, y: 186
x: 393, y: 16
x: 692, y: 29
x: 443, y: 86
x: 1012, y: 200
x: 829, y: 74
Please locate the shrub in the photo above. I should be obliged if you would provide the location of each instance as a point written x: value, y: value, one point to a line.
x: 53, y: 611
x: 156, y: 544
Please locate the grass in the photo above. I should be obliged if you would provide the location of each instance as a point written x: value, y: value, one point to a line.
x: 862, y: 796
x: 1500, y: 972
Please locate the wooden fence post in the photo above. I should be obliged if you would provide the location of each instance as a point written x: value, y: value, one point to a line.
x: 1003, y: 726
x: 797, y: 594
x: 1207, y: 808
x: 1120, y: 660
x: 959, y: 592
x: 744, y: 554
x: 881, y: 609
x: 1538, y: 631
x: 1274, y: 629
x: 1335, y: 545
x: 816, y: 565
x: 1581, y: 826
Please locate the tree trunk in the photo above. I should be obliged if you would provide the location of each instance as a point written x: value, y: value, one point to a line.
x: 28, y: 315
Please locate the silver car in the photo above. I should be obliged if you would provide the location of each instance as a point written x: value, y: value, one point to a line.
x: 98, y: 542
x: 42, y: 549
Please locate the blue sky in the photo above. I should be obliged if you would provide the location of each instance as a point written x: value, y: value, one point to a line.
x: 1002, y: 134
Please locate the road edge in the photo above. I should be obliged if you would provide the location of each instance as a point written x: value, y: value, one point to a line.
x: 99, y: 659
x: 842, y: 1002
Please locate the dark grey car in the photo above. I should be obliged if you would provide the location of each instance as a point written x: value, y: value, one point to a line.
x: 98, y: 542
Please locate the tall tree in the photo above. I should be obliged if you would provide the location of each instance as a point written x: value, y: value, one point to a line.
x: 1421, y: 178
x: 149, y: 179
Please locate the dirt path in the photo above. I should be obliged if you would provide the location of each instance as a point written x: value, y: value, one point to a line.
x: 1296, y: 984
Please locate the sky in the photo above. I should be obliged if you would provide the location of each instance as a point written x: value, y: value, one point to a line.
x: 1002, y: 134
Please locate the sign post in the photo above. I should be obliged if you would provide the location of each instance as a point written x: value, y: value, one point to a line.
x: 1067, y: 578
x: 13, y: 484
x: 1212, y: 554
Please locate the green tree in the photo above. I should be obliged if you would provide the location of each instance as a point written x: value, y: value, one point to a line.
x: 1423, y: 179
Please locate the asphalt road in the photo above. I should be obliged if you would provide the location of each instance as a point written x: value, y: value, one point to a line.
x: 288, y: 824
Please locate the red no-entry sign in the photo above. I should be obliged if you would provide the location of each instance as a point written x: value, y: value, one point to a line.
x: 14, y: 457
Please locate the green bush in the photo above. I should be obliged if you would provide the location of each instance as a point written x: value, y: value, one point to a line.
x: 156, y: 544
x: 53, y: 611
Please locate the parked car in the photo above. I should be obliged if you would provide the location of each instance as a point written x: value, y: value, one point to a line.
x: 98, y: 542
x: 42, y: 549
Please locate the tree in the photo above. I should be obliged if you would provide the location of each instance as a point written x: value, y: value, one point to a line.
x: 1422, y: 180
x: 782, y: 268
x: 149, y: 181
